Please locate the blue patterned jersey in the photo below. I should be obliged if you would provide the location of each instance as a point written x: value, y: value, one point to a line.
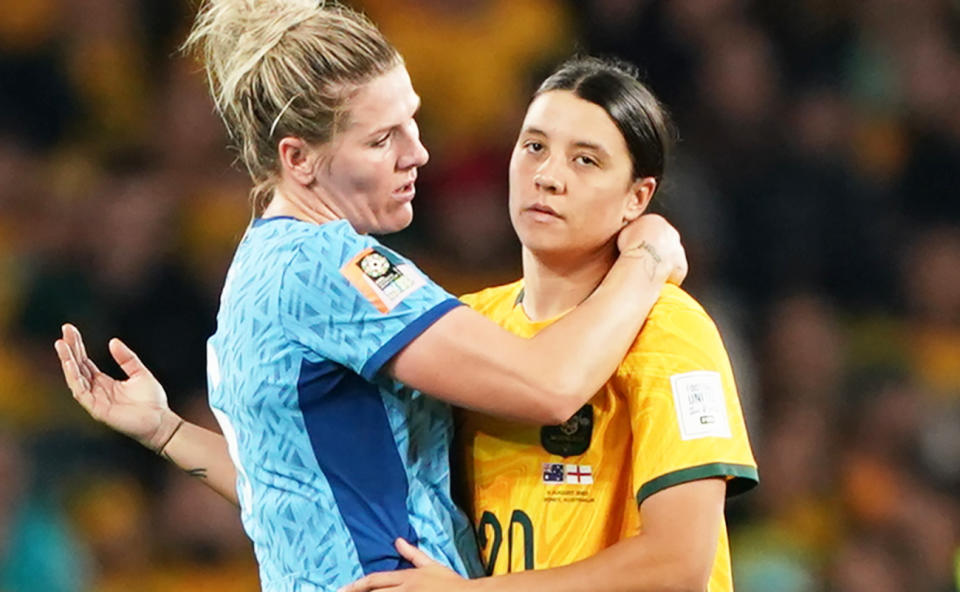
x: 334, y: 461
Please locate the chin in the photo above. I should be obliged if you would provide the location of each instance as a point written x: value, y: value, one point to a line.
x: 541, y: 239
x: 395, y: 221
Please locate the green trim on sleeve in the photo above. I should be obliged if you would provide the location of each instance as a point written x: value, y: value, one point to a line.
x: 740, y: 478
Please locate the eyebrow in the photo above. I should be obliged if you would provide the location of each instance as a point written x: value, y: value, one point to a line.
x: 579, y: 143
x: 387, y: 128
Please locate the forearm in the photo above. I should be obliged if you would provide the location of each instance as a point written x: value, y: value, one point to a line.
x: 636, y: 564
x: 675, y: 551
x: 583, y: 349
x: 203, y: 454
x: 470, y: 362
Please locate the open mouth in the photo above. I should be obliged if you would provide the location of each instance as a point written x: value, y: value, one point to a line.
x: 406, y: 191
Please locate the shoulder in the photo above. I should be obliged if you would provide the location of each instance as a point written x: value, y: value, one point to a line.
x: 493, y: 298
x: 677, y: 313
x: 678, y: 328
x: 322, y: 248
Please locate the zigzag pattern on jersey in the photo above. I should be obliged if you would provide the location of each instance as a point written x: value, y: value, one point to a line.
x: 285, y: 301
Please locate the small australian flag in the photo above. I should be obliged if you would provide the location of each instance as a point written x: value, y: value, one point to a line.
x: 553, y: 472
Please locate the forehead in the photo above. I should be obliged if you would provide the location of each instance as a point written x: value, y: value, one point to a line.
x: 564, y: 116
x: 385, y: 101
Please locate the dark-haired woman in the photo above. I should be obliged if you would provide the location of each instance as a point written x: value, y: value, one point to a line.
x: 628, y: 494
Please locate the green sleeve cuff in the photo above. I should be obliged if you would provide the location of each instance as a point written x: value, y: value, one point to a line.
x: 740, y: 478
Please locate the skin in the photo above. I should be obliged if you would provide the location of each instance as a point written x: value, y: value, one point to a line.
x: 364, y: 176
x: 571, y: 190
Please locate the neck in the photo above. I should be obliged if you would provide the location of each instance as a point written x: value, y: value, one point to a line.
x: 553, y: 285
x: 298, y: 202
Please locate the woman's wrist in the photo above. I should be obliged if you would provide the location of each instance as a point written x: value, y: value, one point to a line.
x: 170, y: 424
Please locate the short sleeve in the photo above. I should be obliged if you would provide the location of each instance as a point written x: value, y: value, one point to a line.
x: 686, y: 417
x: 355, y: 302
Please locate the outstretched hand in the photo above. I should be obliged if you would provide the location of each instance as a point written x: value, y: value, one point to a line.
x: 136, y: 406
x: 427, y: 576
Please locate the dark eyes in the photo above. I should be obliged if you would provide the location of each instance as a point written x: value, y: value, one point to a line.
x: 534, y: 147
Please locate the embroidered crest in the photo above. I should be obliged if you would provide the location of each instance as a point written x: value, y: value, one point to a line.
x: 572, y: 437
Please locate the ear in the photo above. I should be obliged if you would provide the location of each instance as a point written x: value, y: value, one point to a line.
x: 641, y: 192
x: 297, y: 159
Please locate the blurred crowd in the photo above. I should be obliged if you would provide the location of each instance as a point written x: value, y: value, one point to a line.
x: 815, y: 185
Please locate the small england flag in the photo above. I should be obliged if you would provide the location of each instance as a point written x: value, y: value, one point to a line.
x: 579, y: 474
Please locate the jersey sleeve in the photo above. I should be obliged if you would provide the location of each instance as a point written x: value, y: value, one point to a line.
x: 357, y: 303
x: 686, y: 418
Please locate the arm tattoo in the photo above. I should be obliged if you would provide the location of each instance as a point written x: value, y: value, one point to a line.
x: 653, y: 261
x: 199, y: 473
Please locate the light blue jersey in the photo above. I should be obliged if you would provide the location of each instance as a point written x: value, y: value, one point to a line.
x: 334, y: 461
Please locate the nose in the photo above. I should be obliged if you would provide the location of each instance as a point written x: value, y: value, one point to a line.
x: 415, y: 154
x: 546, y: 178
x: 420, y: 154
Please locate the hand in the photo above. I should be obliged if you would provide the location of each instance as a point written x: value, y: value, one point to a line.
x: 136, y: 407
x: 651, y: 238
x: 428, y: 575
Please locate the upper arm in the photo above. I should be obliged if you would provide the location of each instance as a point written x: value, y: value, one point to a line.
x: 685, y: 413
x: 358, y: 309
x: 469, y: 361
x: 375, y: 313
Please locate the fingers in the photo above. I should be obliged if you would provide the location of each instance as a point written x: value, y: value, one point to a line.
x: 413, y: 554
x: 376, y: 581
x: 71, y: 372
x: 128, y: 361
x: 74, y: 340
x: 79, y: 386
x: 71, y: 337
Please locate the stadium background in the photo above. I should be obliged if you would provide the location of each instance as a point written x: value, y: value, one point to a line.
x: 815, y: 186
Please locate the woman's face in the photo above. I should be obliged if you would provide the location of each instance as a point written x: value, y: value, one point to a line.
x: 571, y: 178
x: 367, y: 172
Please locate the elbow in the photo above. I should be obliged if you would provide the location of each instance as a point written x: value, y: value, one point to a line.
x: 558, y: 415
x: 554, y: 398
x: 563, y: 401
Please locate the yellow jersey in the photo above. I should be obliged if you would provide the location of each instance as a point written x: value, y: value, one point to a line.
x: 548, y: 496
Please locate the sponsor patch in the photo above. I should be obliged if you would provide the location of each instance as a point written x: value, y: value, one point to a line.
x: 382, y: 278
x: 701, y: 406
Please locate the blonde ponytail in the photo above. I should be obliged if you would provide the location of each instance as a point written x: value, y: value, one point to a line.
x: 281, y: 68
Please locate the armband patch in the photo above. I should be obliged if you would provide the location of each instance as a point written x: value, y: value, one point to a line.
x: 382, y: 278
x: 701, y: 406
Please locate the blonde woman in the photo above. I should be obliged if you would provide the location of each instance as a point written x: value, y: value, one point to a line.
x: 323, y: 333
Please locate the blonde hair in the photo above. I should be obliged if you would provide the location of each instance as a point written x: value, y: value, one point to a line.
x: 281, y: 68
